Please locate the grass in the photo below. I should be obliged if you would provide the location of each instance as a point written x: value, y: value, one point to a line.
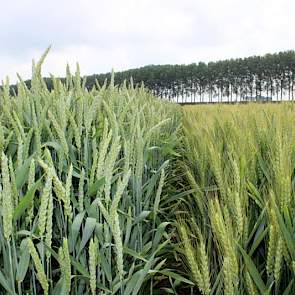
x: 112, y: 191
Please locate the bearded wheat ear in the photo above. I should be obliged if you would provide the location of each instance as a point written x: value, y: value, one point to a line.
x: 103, y: 147
x: 65, y: 265
x: 271, y: 250
x: 7, y: 201
x: 49, y: 225
x: 190, y: 256
x: 109, y: 167
x: 2, y: 140
x: 38, y: 265
x: 31, y: 181
x: 251, y: 288
x: 60, y: 133
x: 67, y: 196
x: 228, y: 277
x: 43, y: 209
x: 93, y: 248
x: 81, y: 190
x: 14, y: 192
x: 278, y: 260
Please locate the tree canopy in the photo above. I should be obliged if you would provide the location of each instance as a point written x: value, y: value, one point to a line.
x: 271, y: 76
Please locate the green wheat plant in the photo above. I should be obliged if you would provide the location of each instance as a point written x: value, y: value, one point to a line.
x: 239, y: 217
x: 82, y: 187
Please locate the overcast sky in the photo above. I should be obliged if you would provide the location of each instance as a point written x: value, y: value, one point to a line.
x: 106, y: 34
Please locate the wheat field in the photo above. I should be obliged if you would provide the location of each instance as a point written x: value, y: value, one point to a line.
x: 82, y: 185
x: 237, y: 229
x: 113, y: 191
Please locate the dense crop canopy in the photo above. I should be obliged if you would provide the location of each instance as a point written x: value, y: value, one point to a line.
x: 112, y: 191
x: 237, y: 232
x: 82, y: 186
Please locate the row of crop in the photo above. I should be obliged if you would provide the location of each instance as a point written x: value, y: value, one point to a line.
x: 237, y: 232
x: 83, y: 176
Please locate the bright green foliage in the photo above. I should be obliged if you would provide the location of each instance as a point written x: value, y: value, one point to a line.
x: 80, y: 174
x: 112, y: 191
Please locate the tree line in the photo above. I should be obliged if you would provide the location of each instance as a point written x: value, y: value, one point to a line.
x: 270, y: 76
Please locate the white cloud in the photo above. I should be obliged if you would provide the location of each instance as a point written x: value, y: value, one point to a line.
x: 105, y: 34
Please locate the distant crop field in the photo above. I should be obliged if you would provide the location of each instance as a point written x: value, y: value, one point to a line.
x: 238, y: 223
x: 114, y: 191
